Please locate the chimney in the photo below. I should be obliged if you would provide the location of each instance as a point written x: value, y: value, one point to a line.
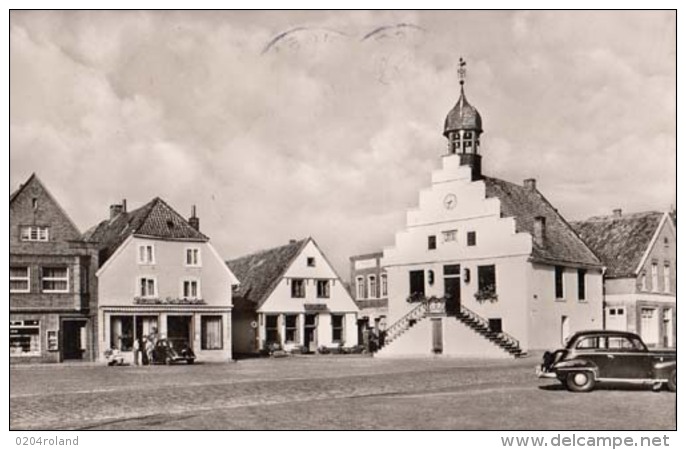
x: 530, y: 184
x: 115, y: 210
x: 123, y: 205
x: 617, y: 213
x: 193, y: 220
x: 539, y: 231
x: 292, y: 241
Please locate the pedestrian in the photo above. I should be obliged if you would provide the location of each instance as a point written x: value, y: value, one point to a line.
x: 144, y: 354
x: 149, y: 346
x: 136, y: 350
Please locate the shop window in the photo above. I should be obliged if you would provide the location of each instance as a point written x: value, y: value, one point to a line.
x: 272, y: 329
x: 55, y: 279
x: 337, y: 328
x: 360, y: 287
x: 25, y: 338
x: 191, y: 289
x: 193, y: 257
x: 20, y: 280
x: 297, y: 288
x: 323, y: 290
x: 211, y: 333
x: 384, y: 285
x: 291, y: 328
x: 471, y: 238
x: 371, y: 280
x: 34, y: 234
x: 121, y: 332
x: 581, y: 284
x: 146, y: 254
x: 432, y: 242
x: 559, y: 282
x: 147, y: 287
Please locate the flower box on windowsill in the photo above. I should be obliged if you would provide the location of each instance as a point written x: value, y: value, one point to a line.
x: 486, y: 294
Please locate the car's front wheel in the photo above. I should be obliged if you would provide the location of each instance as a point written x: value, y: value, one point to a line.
x: 671, y: 381
x: 583, y: 381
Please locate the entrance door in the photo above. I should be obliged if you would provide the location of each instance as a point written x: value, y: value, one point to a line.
x: 649, y: 326
x: 451, y: 283
x: 310, y: 341
x: 437, y: 332
x: 73, y: 339
x: 179, y: 331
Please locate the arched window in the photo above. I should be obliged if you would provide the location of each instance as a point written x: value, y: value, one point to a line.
x: 384, y: 285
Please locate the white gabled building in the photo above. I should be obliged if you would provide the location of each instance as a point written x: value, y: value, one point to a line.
x: 291, y: 296
x: 159, y: 274
x: 513, y: 273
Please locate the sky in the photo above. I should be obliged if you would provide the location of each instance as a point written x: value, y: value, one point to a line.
x: 282, y: 125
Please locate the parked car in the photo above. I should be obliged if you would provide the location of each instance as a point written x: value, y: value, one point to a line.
x: 165, y: 352
x: 592, y: 357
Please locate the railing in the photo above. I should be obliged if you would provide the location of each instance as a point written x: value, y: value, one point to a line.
x: 483, y: 322
x: 401, y: 324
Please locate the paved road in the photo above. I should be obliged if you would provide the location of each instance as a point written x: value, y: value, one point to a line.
x: 344, y: 392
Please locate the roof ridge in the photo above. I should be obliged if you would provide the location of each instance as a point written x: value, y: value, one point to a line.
x: 266, y: 250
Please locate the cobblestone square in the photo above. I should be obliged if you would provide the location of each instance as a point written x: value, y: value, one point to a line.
x: 324, y: 392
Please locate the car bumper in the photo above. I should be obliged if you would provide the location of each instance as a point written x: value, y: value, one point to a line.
x: 541, y: 374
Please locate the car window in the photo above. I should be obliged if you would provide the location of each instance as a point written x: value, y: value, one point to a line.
x: 621, y: 343
x: 589, y: 343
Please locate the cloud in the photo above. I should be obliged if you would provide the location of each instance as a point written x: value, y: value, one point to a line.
x: 330, y: 134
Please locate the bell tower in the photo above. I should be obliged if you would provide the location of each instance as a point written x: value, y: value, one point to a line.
x: 463, y: 129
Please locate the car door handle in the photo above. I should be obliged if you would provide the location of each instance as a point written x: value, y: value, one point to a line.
x: 611, y: 356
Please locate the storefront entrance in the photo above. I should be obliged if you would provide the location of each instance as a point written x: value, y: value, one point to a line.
x: 73, y: 339
x: 180, y: 331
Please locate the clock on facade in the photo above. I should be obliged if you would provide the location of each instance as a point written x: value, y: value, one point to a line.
x: 450, y: 201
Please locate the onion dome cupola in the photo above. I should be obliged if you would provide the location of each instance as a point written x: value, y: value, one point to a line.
x: 463, y: 129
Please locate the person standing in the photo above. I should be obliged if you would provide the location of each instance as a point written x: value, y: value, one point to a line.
x: 149, y: 346
x: 136, y: 350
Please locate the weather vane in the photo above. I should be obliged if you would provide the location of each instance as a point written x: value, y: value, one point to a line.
x: 462, y: 71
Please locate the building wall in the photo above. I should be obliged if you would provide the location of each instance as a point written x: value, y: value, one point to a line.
x: 64, y: 248
x: 546, y: 311
x: 661, y: 253
x: 496, y: 243
x: 119, y: 288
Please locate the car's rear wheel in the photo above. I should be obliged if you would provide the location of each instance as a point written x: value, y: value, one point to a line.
x: 190, y: 361
x: 671, y: 381
x: 583, y: 381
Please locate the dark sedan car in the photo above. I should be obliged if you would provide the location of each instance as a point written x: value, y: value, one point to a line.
x: 164, y: 352
x: 592, y: 357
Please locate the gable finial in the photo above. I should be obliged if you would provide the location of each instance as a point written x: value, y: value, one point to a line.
x: 462, y: 71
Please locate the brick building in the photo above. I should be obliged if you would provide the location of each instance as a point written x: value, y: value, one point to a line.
x: 639, y: 251
x: 53, y: 297
x: 369, y: 288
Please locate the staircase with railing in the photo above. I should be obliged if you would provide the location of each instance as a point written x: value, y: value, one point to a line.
x: 481, y: 326
x: 403, y: 324
x: 471, y: 319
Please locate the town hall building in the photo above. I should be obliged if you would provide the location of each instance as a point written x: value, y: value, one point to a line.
x: 485, y: 267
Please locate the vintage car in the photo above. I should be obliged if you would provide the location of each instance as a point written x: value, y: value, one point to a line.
x: 592, y: 357
x: 165, y: 352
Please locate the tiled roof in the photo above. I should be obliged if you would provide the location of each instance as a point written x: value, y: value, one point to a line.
x: 260, y: 272
x: 620, y: 242
x: 562, y: 245
x: 154, y: 219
